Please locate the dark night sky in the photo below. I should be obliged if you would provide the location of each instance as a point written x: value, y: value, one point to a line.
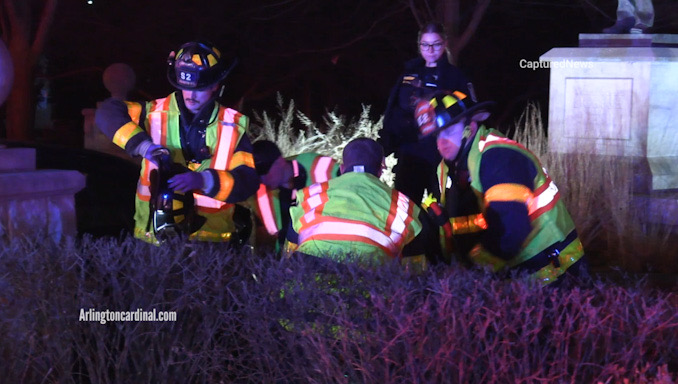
x: 292, y: 48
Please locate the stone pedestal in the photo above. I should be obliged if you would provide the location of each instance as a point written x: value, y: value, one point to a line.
x: 617, y: 95
x: 619, y: 101
x: 36, y: 201
x: 119, y: 80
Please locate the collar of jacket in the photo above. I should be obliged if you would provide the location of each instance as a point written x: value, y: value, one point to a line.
x: 202, y: 118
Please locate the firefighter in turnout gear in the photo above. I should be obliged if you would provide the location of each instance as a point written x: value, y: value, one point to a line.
x: 357, y: 215
x: 519, y: 221
x: 281, y: 178
x: 203, y: 139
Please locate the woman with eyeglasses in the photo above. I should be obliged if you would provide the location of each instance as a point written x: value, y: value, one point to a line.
x: 423, y: 76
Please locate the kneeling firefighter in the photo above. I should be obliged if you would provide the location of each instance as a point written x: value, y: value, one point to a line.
x: 197, y: 160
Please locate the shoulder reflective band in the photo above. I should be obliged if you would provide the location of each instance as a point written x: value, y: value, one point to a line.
x: 537, y: 203
x: 124, y: 133
x: 322, y: 167
x: 508, y: 192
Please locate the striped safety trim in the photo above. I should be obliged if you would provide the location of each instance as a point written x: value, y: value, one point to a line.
x: 349, y: 231
x: 491, y: 138
x: 566, y: 258
x: 210, y: 236
x: 124, y: 133
x: 144, y: 183
x: 545, y: 197
x: 508, y: 192
x: 322, y: 166
x: 242, y: 158
x: 399, y: 218
x: 468, y: 224
x: 134, y: 110
x: 226, y: 143
x: 226, y: 181
x: 266, y: 210
x: 312, y: 204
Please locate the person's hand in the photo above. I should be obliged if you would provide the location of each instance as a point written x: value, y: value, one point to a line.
x: 186, y: 182
x: 155, y: 152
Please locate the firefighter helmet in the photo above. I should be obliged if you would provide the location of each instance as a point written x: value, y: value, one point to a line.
x: 196, y: 66
x: 447, y: 108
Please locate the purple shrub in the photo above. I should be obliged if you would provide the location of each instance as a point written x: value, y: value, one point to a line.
x: 250, y: 317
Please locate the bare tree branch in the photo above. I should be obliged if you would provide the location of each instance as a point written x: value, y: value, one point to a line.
x: 46, y: 19
x: 472, y: 26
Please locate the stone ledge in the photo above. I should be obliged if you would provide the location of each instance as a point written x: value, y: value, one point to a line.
x: 40, y: 183
x: 17, y: 159
x: 611, y: 54
x: 627, y: 40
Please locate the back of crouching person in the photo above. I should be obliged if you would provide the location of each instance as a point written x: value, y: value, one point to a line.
x: 356, y: 217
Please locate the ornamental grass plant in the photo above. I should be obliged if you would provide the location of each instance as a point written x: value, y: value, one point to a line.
x: 612, y: 220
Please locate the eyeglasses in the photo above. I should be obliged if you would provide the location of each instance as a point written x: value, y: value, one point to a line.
x: 426, y: 46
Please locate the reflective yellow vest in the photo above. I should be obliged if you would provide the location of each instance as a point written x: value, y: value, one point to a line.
x: 354, y: 215
x: 553, y: 235
x: 222, y: 136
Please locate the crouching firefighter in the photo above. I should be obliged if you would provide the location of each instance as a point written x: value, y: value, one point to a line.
x: 519, y: 219
x: 197, y: 160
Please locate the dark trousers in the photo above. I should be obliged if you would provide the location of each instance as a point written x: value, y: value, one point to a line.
x: 413, y: 175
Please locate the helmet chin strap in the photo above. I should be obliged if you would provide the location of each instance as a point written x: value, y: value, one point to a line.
x: 465, y: 145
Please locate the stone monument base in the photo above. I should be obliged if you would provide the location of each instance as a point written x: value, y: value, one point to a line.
x: 36, y: 201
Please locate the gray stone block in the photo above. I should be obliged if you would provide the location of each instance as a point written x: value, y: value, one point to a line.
x: 39, y: 202
x: 17, y: 159
x: 40, y: 183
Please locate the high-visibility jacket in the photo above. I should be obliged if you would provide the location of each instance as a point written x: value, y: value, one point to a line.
x: 354, y: 215
x: 553, y: 245
x: 309, y: 168
x: 225, y: 135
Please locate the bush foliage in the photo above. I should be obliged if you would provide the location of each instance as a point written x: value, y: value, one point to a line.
x: 256, y: 318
